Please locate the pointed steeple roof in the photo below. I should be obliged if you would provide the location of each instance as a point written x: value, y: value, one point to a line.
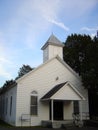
x: 53, y: 40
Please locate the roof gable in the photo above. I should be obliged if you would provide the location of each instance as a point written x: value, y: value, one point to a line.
x: 53, y: 91
x: 44, y: 64
x: 63, y: 91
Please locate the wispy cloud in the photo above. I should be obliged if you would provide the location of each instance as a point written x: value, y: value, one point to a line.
x: 32, y: 15
x: 59, y: 24
x: 89, y: 29
x: 50, y: 13
x: 35, y: 17
x: 76, y: 8
x: 31, y: 20
x: 92, y: 31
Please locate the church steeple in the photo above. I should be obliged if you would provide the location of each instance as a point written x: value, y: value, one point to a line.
x: 52, y: 48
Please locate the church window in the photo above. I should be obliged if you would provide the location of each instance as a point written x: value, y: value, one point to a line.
x: 34, y: 103
x: 6, y: 105
x: 76, y: 107
x: 10, y: 105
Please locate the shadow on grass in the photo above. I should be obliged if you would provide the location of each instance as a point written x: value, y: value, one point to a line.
x: 4, y: 124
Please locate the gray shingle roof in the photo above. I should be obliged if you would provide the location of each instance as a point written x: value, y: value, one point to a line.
x: 53, y: 40
x: 53, y: 91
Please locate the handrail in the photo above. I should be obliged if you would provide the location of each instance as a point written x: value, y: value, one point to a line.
x: 85, y: 115
x: 77, y: 118
x: 25, y: 118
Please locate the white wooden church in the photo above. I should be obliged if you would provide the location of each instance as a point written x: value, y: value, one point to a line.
x: 51, y: 92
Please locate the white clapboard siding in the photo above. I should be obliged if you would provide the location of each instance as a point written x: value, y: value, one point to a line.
x: 6, y: 116
x: 42, y: 80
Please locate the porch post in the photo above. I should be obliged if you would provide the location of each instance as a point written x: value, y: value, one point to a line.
x: 52, y: 110
x: 81, y: 110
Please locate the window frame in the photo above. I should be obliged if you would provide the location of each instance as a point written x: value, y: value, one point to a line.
x: 35, y: 105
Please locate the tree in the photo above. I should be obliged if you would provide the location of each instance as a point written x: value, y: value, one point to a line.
x: 74, y: 50
x: 24, y: 70
x: 7, y: 85
x: 81, y: 53
x: 90, y: 66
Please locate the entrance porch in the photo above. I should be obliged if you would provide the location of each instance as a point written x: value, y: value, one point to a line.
x: 61, y: 103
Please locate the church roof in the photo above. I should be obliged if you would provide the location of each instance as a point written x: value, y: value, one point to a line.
x: 53, y: 91
x: 53, y: 40
x: 74, y: 93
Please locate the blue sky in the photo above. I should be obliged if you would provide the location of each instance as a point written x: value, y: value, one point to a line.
x: 25, y: 25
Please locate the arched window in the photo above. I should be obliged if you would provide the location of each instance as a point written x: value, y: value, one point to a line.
x: 34, y: 103
x: 34, y: 92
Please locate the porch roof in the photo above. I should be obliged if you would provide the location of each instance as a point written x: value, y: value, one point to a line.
x: 63, y: 91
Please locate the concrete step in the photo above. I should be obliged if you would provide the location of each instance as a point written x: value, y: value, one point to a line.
x: 68, y: 126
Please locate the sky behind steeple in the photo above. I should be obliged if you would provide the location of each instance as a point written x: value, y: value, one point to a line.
x: 26, y: 24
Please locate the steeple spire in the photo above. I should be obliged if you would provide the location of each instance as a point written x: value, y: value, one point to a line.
x: 53, y: 40
x: 52, y: 48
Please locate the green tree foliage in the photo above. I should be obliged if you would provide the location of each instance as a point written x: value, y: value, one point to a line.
x: 90, y: 66
x: 7, y: 85
x: 24, y: 70
x: 81, y: 53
